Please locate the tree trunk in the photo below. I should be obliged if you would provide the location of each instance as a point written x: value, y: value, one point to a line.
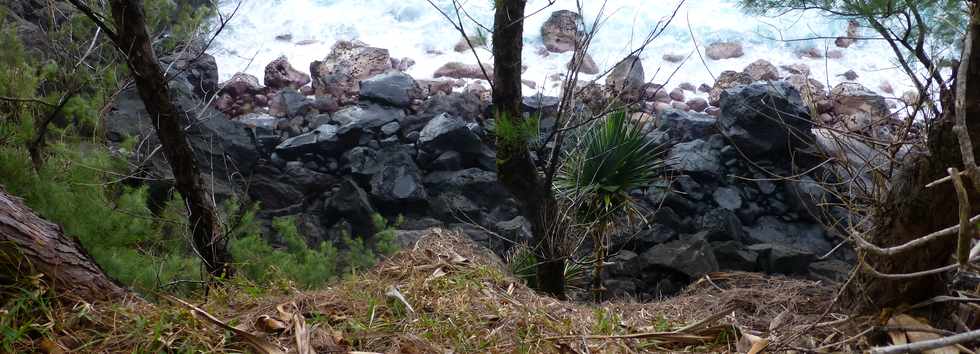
x: 515, y: 168
x: 134, y: 41
x: 28, y: 241
x: 912, y: 210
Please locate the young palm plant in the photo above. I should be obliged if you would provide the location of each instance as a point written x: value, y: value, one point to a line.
x: 614, y: 157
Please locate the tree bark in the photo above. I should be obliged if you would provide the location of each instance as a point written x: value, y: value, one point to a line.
x: 28, y: 241
x: 912, y: 210
x: 515, y: 169
x: 134, y: 41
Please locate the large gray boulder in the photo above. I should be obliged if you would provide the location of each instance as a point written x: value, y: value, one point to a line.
x: 398, y: 182
x: 367, y: 118
x: 351, y: 203
x: 724, y: 50
x: 804, y: 237
x: 627, y: 77
x: 393, y: 88
x: 695, y: 156
x: 691, y: 256
x: 687, y: 126
x: 448, y: 133
x: 765, y: 120
x: 562, y: 31
x: 322, y: 140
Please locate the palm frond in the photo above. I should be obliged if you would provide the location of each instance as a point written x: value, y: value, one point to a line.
x: 614, y: 158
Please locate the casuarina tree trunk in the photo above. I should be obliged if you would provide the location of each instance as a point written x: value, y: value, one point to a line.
x: 911, y: 210
x: 515, y: 168
x: 29, y: 243
x: 134, y: 41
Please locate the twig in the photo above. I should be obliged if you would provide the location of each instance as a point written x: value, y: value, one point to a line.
x: 29, y: 100
x: 891, y: 251
x: 929, y: 344
x: 967, y: 229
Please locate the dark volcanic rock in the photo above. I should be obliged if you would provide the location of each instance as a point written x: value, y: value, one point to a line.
x: 448, y: 133
x: 359, y: 119
x: 322, y: 140
x: 398, y: 182
x: 695, y: 156
x: 692, y: 257
x: 351, y: 203
x: 765, y: 120
x: 393, y: 88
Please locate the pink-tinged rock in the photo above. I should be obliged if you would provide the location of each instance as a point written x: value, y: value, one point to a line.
x: 627, y: 78
x: 851, y: 36
x: 762, y: 70
x: 705, y: 88
x: 713, y: 111
x: 726, y: 80
x: 697, y: 104
x: 588, y: 65
x: 261, y: 100
x: 826, y: 118
x: 834, y: 54
x: 662, y: 95
x: 529, y: 83
x: 806, y: 85
x: 432, y: 87
x: 797, y: 69
x: 849, y: 75
x: 809, y: 53
x: 851, y: 98
x: 660, y: 107
x: 477, y: 88
x: 824, y: 106
x: 224, y: 103
x: 402, y: 64
x: 307, y: 91
x: 325, y: 104
x: 464, y: 46
x: 280, y: 74
x: 687, y: 86
x: 886, y: 87
x: 680, y: 106
x: 340, y: 73
x: 459, y: 70
x: 724, y: 50
x: 307, y: 42
x: 562, y: 31
x: 673, y: 58
x: 542, y: 52
x: 677, y: 95
x: 241, y: 83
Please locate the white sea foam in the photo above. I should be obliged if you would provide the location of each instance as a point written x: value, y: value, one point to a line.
x: 414, y: 29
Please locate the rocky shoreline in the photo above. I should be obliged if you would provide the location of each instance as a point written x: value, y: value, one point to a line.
x: 360, y: 136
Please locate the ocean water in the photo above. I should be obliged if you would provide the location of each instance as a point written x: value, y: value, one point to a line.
x: 417, y: 30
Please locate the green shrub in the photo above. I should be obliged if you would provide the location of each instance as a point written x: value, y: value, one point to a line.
x: 308, y: 267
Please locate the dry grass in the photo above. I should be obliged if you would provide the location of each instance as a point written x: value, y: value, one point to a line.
x: 463, y: 302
